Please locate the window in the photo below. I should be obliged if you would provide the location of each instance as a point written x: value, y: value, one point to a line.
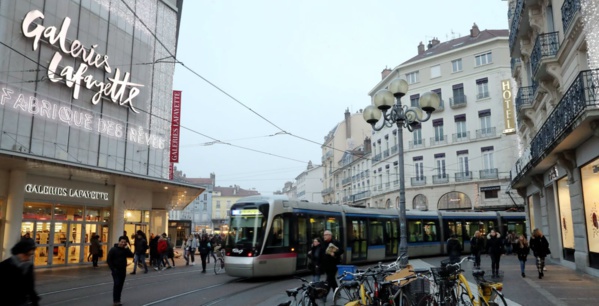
x: 488, y: 163
x: 484, y: 59
x: 491, y: 194
x: 463, y: 162
x: 435, y: 71
x: 440, y: 161
x: 217, y: 204
x: 414, y: 100
x: 419, y: 169
x: 485, y: 123
x: 458, y: 94
x: 456, y: 65
x: 412, y: 77
x: 460, y: 122
x: 417, y: 137
x: 482, y: 88
x: 438, y: 126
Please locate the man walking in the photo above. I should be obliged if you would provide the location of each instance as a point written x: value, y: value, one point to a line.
x: 17, y: 275
x: 330, y: 257
x: 117, y: 261
x: 141, y: 246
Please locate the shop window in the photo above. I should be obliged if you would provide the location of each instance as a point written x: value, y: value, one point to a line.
x: 565, y: 218
x: 37, y: 211
x: 491, y: 194
x: 590, y: 181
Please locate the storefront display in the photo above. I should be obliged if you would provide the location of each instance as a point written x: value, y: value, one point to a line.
x: 590, y: 181
x: 565, y: 218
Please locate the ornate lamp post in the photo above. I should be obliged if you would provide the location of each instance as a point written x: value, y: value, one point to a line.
x: 387, y: 102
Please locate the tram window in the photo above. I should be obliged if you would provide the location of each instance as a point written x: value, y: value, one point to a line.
x: 415, y: 233
x: 430, y: 231
x: 375, y: 232
x: 279, y: 233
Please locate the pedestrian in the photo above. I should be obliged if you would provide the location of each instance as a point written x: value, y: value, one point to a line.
x: 477, y: 244
x: 454, y: 248
x: 117, y: 261
x: 154, y: 255
x: 163, y: 252
x: 18, y: 279
x: 515, y: 242
x: 95, y: 249
x: 495, y: 248
x: 204, y: 248
x: 141, y: 246
x: 171, y: 250
x: 508, y: 243
x: 314, y: 257
x: 190, y: 245
x: 540, y: 249
x: 523, y: 251
x: 330, y: 257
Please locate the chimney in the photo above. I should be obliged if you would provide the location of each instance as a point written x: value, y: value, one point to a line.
x: 367, y: 145
x: 420, y: 48
x: 435, y: 41
x: 385, y: 73
x: 347, y: 123
x: 474, y: 31
x: 430, y: 45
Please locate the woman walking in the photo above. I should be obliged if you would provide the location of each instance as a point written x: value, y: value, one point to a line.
x: 204, y: 247
x: 495, y: 249
x: 191, y: 244
x: 314, y: 256
x: 95, y: 249
x: 540, y: 249
x: 522, y: 250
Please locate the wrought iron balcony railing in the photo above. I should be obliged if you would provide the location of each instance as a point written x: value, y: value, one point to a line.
x: 489, y: 173
x: 482, y: 95
x: 457, y: 101
x: 394, y: 149
x: 461, y: 137
x: 546, y: 45
x: 376, y: 158
x: 569, y: 10
x: 486, y: 133
x: 440, y: 179
x: 463, y: 176
x: 440, y: 140
x: 418, y: 181
x: 514, y: 62
x: 514, y: 27
x: 386, y: 153
x: 524, y: 98
x: 346, y: 180
x: 361, y: 195
x: 416, y: 144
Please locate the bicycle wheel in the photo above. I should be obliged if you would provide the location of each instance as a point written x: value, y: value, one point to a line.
x: 404, y: 300
x: 219, y: 266
x: 427, y: 300
x: 497, y: 299
x: 344, y: 295
x: 465, y: 299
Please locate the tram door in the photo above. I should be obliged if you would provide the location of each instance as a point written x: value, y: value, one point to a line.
x: 357, y: 239
x: 67, y: 242
x: 304, y: 243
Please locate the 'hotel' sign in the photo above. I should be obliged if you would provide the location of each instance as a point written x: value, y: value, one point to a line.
x: 508, y: 107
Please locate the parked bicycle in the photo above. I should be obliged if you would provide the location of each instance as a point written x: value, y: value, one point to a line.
x: 307, y: 293
x: 489, y: 292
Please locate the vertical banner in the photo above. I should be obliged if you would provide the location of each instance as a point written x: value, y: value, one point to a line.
x: 175, y: 126
x: 508, y: 107
x: 171, y: 170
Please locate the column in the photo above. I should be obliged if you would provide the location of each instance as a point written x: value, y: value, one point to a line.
x: 14, y: 210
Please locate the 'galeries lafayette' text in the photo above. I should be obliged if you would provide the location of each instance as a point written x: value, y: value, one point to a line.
x: 66, y: 192
x: 115, y: 87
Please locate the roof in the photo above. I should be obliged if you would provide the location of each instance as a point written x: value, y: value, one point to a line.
x: 235, y: 191
x: 199, y: 180
x: 458, y: 43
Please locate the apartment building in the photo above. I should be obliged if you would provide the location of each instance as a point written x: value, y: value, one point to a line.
x: 460, y: 159
x: 308, y: 184
x: 554, y: 50
x: 354, y: 171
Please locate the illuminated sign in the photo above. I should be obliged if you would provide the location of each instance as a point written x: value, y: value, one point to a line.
x: 114, y: 89
x: 76, y: 117
x: 66, y: 192
x: 245, y: 212
x: 175, y: 126
x: 508, y: 107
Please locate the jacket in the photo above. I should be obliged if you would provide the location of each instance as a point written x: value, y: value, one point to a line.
x: 162, y: 246
x: 454, y: 249
x: 539, y: 246
x: 522, y: 252
x: 19, y: 287
x: 328, y: 262
x: 141, y: 246
x: 117, y: 258
x: 477, y: 244
x: 315, y: 259
x: 495, y: 244
x: 94, y: 248
x: 204, y: 246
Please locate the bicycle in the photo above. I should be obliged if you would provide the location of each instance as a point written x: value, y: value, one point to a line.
x: 489, y: 292
x: 309, y: 292
x: 219, y: 261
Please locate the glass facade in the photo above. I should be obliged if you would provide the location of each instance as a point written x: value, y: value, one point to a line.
x: 87, y: 82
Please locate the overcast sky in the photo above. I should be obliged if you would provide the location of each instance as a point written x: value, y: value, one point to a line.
x: 294, y: 66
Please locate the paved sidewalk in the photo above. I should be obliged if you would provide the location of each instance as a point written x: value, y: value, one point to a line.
x: 560, y: 286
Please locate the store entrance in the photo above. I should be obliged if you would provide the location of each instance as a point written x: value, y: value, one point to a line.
x: 131, y: 229
x: 67, y: 242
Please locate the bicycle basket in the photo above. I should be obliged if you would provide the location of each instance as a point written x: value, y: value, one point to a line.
x: 419, y: 287
x: 319, y: 290
x: 443, y: 275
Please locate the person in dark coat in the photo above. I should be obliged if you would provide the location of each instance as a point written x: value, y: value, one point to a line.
x: 204, y: 247
x: 495, y: 249
x: 522, y: 251
x: 141, y: 246
x: 315, y: 262
x: 330, y: 256
x: 477, y: 244
x: 154, y: 256
x: 95, y: 248
x: 454, y: 248
x: 16, y: 272
x: 540, y: 249
x: 117, y: 262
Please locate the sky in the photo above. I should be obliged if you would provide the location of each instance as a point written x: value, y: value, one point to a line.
x: 264, y: 81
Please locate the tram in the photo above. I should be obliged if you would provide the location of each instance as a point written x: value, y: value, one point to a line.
x: 271, y: 235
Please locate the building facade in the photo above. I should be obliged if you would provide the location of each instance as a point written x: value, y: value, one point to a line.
x: 346, y: 135
x: 554, y: 47
x: 198, y: 214
x: 461, y: 157
x: 309, y: 184
x: 354, y: 171
x: 222, y: 199
x: 85, y: 114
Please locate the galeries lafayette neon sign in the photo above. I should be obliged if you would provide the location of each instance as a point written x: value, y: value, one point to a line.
x: 114, y: 88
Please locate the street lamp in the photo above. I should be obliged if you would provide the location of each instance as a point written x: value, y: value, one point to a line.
x: 387, y: 102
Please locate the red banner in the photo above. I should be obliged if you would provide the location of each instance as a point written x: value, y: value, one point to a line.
x: 171, y: 169
x: 175, y: 126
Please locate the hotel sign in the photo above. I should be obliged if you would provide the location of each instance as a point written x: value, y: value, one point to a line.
x: 117, y: 88
x: 508, y: 107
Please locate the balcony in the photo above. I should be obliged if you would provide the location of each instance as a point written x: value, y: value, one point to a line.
x: 569, y: 10
x: 440, y: 179
x: 486, y: 133
x: 516, y: 63
x: 346, y: 180
x: 386, y: 153
x: 576, y: 103
x: 514, y: 26
x: 489, y: 173
x: 463, y: 176
x: 327, y: 191
x: 461, y: 137
x: 482, y: 95
x: 546, y: 46
x: 416, y: 144
x: 376, y: 158
x: 457, y: 101
x: 361, y: 195
x: 394, y: 149
x: 418, y: 181
x: 524, y: 99
x: 437, y: 141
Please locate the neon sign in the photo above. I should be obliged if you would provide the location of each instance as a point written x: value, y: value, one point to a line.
x: 66, y: 192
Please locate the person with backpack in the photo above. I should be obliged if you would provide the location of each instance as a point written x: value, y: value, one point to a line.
x: 141, y: 246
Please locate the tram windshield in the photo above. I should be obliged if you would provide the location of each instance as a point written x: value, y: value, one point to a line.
x: 246, y: 227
